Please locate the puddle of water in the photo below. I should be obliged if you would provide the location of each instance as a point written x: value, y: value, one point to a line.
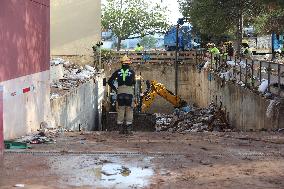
x: 89, y: 171
x: 112, y: 174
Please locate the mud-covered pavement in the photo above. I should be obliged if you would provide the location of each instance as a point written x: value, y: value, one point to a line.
x: 149, y: 160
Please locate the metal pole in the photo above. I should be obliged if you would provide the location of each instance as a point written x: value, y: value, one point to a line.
x: 279, y: 79
x: 272, y: 45
x: 196, y: 55
x: 269, y: 76
x: 252, y: 73
x: 176, y: 62
x: 260, y: 74
x: 240, y: 70
x: 211, y: 63
x: 235, y: 69
x: 246, y: 73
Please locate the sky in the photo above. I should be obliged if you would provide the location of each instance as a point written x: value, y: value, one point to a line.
x: 173, y: 8
x: 172, y: 5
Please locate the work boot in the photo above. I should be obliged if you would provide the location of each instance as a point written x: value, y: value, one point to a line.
x: 129, y: 129
x: 121, y: 128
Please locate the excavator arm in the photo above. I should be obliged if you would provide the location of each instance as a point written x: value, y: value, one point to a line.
x: 156, y: 89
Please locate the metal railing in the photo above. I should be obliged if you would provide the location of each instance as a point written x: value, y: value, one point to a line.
x: 156, y: 56
x: 248, y: 72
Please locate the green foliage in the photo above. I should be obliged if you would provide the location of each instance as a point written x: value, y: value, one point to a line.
x: 221, y: 17
x: 131, y: 17
x: 272, y: 19
x: 148, y: 42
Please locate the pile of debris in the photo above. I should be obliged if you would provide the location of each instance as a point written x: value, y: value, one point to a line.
x: 231, y: 71
x: 211, y: 118
x: 44, y: 135
x: 37, y: 138
x: 73, y: 76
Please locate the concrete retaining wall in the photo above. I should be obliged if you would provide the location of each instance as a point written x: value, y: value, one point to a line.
x: 80, y: 108
x: 245, y: 109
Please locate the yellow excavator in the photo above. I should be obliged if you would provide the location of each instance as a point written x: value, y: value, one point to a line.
x: 143, y: 102
x: 155, y: 89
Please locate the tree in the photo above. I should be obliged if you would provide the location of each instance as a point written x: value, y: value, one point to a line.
x: 272, y: 19
x: 221, y: 17
x: 149, y: 42
x: 133, y: 17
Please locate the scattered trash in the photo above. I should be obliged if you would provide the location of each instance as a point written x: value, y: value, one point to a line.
x: 56, y: 61
x: 73, y: 76
x: 54, y: 96
x: 124, y: 171
x: 19, y: 185
x: 43, y: 136
x: 211, y: 118
x: 281, y: 130
x: 263, y: 86
x: 226, y: 75
x: 206, y: 65
x: 231, y: 63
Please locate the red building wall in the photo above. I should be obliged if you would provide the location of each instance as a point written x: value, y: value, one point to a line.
x: 1, y: 122
x: 24, y: 37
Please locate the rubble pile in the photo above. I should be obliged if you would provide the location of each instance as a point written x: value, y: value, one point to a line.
x: 74, y: 75
x: 45, y: 136
x: 211, y: 118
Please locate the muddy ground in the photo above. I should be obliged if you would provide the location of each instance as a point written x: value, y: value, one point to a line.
x: 149, y: 160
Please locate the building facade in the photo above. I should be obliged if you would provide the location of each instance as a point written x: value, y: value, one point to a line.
x: 75, y: 26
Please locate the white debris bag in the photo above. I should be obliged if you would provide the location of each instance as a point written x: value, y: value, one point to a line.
x: 231, y: 63
x: 226, y: 75
x: 206, y: 65
x: 242, y: 64
x: 90, y: 68
x: 263, y: 86
x: 57, y: 61
x: 54, y: 96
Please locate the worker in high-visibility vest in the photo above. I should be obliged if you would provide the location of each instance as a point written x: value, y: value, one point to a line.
x: 213, y: 50
x: 125, y: 78
x: 247, y: 52
x: 139, y: 47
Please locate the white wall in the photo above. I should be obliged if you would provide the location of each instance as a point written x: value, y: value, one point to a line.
x: 81, y: 106
x: 24, y: 112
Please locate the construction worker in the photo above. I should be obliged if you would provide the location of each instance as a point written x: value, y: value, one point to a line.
x: 230, y: 50
x: 138, y: 48
x: 125, y: 78
x: 247, y: 52
x: 213, y: 50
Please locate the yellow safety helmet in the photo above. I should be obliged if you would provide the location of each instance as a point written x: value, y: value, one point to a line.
x: 228, y: 43
x: 125, y: 60
x: 210, y: 45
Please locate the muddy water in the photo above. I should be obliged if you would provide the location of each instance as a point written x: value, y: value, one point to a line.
x: 102, y: 172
